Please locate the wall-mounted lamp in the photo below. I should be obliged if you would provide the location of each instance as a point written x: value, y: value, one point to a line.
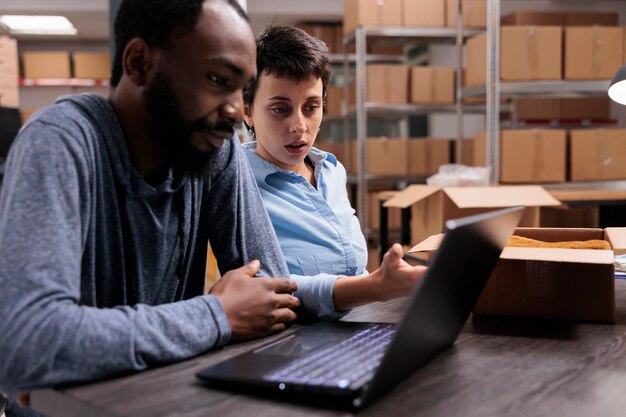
x: 617, y: 89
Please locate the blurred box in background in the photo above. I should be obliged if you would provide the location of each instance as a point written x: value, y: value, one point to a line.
x: 474, y: 13
x: 590, y: 52
x: 597, y: 154
x: 527, y: 155
x: 432, y: 85
x: 46, y: 64
x: 92, y: 65
x: 424, y: 13
x: 371, y: 13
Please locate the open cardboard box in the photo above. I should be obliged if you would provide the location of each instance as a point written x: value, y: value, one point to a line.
x: 575, y: 284
x: 432, y: 206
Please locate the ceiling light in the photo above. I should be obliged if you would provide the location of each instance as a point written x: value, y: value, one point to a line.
x: 38, y: 25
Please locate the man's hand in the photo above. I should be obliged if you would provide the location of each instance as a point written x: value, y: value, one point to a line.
x: 255, y: 306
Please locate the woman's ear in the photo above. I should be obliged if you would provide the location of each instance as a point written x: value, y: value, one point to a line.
x: 137, y: 61
x: 247, y: 115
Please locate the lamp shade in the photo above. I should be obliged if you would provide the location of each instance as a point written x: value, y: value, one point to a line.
x: 617, y: 89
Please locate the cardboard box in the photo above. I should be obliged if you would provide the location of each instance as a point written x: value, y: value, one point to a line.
x: 92, y: 65
x: 591, y: 19
x: 527, y: 155
x: 387, y: 83
x: 386, y: 49
x: 374, y: 199
x: 323, y: 31
x: 432, y: 206
x: 590, y: 52
x: 598, y: 154
x: 533, y: 155
x: 533, y: 18
x: 474, y: 13
x: 371, y: 13
x: 334, y: 98
x: 8, y: 57
x: 432, y: 85
x: 598, y: 108
x: 424, y: 13
x: 336, y: 148
x: 373, y: 260
x: 577, y: 217
x: 538, y: 108
x: 526, y: 53
x: 25, y: 114
x: 467, y: 152
x: 571, y: 284
x: 426, y: 155
x: 476, y: 58
x: 9, y: 96
x: 538, y: 18
x: 384, y: 156
x: 46, y: 64
x: 531, y: 53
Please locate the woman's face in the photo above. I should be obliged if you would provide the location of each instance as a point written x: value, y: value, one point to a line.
x: 286, y: 117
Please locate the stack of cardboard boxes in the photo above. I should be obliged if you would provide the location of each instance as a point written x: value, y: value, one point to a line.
x: 553, y: 46
x: 63, y: 65
x: 9, y: 74
x: 411, y: 13
x: 556, y: 155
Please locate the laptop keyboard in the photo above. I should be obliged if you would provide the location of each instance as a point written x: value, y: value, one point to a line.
x: 342, y: 364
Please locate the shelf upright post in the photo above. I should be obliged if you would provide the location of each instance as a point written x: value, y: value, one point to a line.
x: 348, y: 81
x: 493, y: 89
x: 458, y: 84
x: 361, y: 120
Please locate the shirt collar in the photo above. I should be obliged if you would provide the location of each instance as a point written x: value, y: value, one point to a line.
x: 262, y: 168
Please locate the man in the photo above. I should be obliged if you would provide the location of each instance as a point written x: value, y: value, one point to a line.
x: 107, y: 207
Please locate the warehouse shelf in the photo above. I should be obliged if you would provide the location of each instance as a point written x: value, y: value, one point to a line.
x: 402, y: 35
x: 363, y: 110
x: 387, y: 111
x: 387, y: 179
x: 597, y: 185
x: 63, y: 82
x: 543, y: 89
x: 370, y: 58
x: 494, y: 90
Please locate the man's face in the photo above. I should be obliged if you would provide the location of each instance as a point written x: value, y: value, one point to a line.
x: 194, y: 96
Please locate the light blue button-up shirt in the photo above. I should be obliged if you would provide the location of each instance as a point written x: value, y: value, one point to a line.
x: 317, y: 229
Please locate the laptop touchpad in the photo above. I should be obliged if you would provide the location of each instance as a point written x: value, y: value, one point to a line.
x: 295, y: 345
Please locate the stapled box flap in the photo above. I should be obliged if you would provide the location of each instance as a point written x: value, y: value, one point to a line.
x: 617, y: 238
x: 501, y: 196
x: 588, y: 256
x: 411, y: 195
x: 430, y: 244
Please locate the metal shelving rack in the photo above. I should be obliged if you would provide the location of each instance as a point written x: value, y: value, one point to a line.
x: 494, y: 90
x: 362, y: 109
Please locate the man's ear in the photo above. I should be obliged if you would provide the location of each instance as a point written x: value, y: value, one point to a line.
x: 137, y: 61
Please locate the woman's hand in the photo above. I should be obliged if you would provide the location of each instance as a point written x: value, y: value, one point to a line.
x: 395, y: 277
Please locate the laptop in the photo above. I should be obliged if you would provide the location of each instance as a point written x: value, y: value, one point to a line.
x: 355, y: 363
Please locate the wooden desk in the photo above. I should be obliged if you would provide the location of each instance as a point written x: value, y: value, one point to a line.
x: 498, y: 367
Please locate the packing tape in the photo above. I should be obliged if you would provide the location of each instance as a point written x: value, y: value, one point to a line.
x: 537, y: 152
x: 596, y: 51
x: 533, y: 52
x: 604, y: 159
x: 433, y: 85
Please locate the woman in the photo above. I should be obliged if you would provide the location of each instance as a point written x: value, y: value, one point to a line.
x: 304, y: 188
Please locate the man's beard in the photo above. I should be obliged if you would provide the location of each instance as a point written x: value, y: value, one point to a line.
x: 173, y: 133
